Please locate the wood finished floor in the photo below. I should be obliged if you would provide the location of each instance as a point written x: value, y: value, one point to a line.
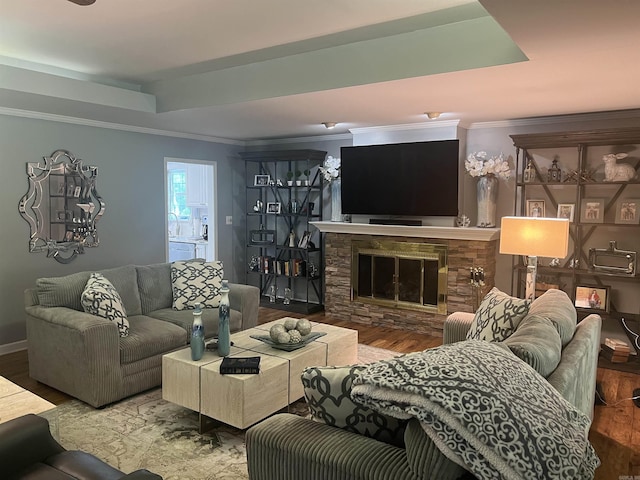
x: 615, y: 432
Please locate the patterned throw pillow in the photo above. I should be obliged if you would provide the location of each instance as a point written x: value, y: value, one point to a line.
x: 100, y: 298
x: 327, y: 391
x: 195, y: 282
x: 497, y: 317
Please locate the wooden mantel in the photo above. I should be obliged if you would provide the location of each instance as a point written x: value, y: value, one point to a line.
x: 449, y: 233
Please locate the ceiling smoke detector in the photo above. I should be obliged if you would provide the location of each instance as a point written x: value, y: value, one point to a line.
x: 432, y: 115
x: 329, y: 125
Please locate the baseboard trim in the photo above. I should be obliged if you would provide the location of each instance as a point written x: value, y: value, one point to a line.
x: 13, y: 347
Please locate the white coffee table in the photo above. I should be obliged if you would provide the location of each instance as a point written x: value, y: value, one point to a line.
x: 243, y: 400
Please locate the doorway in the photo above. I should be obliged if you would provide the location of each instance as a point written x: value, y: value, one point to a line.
x: 190, y: 209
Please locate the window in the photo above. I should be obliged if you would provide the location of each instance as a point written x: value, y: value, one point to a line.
x: 178, y: 194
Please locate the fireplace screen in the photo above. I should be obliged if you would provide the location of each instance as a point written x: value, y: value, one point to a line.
x: 400, y: 274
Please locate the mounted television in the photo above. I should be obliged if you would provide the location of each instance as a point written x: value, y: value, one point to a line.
x: 416, y: 179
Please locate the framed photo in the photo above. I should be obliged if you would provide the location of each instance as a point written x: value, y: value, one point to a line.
x: 592, y: 297
x: 566, y: 210
x: 261, y: 180
x: 304, y: 240
x: 535, y: 208
x: 273, y: 207
x: 592, y: 210
x: 628, y: 211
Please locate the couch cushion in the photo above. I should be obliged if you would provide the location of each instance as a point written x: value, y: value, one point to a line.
x: 327, y: 392
x: 537, y: 342
x: 196, y: 282
x: 100, y: 298
x: 558, y: 308
x: 497, y: 317
x: 148, y: 337
x: 67, y: 291
x: 210, y: 319
x: 154, y: 284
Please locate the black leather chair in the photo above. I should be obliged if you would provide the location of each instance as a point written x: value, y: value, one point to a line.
x: 28, y: 451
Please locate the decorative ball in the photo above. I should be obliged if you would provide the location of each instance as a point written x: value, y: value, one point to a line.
x: 290, y: 323
x: 303, y: 326
x: 275, y: 330
x: 294, y: 336
x: 283, y: 337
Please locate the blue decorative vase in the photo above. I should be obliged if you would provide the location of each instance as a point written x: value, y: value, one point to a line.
x: 197, y: 335
x: 487, y: 197
x: 224, y: 340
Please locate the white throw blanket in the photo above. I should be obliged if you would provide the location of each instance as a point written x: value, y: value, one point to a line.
x: 485, y: 409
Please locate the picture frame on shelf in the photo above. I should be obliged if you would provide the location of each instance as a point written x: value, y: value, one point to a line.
x: 592, y: 210
x: 566, y: 210
x: 592, y: 297
x: 304, y: 240
x: 261, y: 180
x: 274, y: 207
x: 627, y: 211
x: 535, y: 208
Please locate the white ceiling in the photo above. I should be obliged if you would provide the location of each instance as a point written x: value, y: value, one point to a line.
x: 247, y: 69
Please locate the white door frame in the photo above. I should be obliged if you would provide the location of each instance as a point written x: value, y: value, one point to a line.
x: 212, y: 202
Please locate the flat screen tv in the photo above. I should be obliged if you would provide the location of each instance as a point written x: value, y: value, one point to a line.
x: 416, y: 179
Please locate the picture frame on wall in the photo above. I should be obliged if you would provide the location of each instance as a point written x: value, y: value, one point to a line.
x: 628, y: 211
x: 261, y: 180
x: 566, y: 210
x: 592, y: 210
x: 274, y: 207
x: 535, y: 208
x: 592, y: 297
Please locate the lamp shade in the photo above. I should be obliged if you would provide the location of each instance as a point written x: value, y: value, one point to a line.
x: 540, y: 237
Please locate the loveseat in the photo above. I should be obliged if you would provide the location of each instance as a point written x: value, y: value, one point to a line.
x: 84, y: 355
x: 28, y: 451
x: 288, y: 447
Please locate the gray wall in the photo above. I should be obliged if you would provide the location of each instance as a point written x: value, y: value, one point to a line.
x: 131, y: 182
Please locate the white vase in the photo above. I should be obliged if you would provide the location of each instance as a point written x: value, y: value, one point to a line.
x: 336, y: 201
x: 487, y: 197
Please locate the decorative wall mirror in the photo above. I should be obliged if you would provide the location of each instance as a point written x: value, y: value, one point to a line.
x: 62, y: 206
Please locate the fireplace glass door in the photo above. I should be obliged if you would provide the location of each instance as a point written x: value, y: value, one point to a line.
x: 400, y: 274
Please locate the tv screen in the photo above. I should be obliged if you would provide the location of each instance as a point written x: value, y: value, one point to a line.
x: 409, y: 179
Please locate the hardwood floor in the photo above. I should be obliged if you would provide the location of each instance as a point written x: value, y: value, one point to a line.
x: 615, y: 432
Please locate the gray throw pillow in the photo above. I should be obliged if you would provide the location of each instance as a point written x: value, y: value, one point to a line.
x: 537, y: 342
x: 556, y: 306
x: 327, y: 391
x: 497, y: 317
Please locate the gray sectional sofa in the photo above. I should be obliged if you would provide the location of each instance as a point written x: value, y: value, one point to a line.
x: 289, y: 447
x: 84, y: 356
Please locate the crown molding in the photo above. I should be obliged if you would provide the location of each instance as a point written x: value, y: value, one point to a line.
x: 405, y: 127
x: 577, y: 117
x: 13, y: 112
x: 315, y: 138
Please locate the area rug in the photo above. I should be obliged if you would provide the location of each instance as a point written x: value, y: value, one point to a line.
x: 145, y: 431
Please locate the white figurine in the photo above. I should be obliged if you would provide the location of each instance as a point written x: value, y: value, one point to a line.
x: 614, y: 172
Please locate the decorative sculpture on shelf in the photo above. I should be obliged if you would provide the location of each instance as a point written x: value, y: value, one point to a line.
x: 617, y: 172
x: 62, y: 206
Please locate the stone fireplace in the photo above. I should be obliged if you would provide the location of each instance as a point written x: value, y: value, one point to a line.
x: 384, y: 302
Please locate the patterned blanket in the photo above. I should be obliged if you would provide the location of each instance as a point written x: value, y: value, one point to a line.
x: 485, y: 409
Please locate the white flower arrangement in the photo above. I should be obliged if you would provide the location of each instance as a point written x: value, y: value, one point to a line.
x: 478, y: 165
x: 331, y: 169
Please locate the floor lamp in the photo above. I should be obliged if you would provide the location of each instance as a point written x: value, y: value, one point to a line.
x: 534, y: 237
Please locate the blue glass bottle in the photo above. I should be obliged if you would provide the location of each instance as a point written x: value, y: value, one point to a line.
x: 197, y: 334
x: 224, y: 341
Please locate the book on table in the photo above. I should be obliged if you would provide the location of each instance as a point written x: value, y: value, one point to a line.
x: 240, y: 365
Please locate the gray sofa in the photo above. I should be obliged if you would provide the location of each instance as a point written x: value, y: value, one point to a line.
x: 84, y: 356
x: 289, y: 447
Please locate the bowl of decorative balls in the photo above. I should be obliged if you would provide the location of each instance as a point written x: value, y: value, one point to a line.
x: 290, y: 335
